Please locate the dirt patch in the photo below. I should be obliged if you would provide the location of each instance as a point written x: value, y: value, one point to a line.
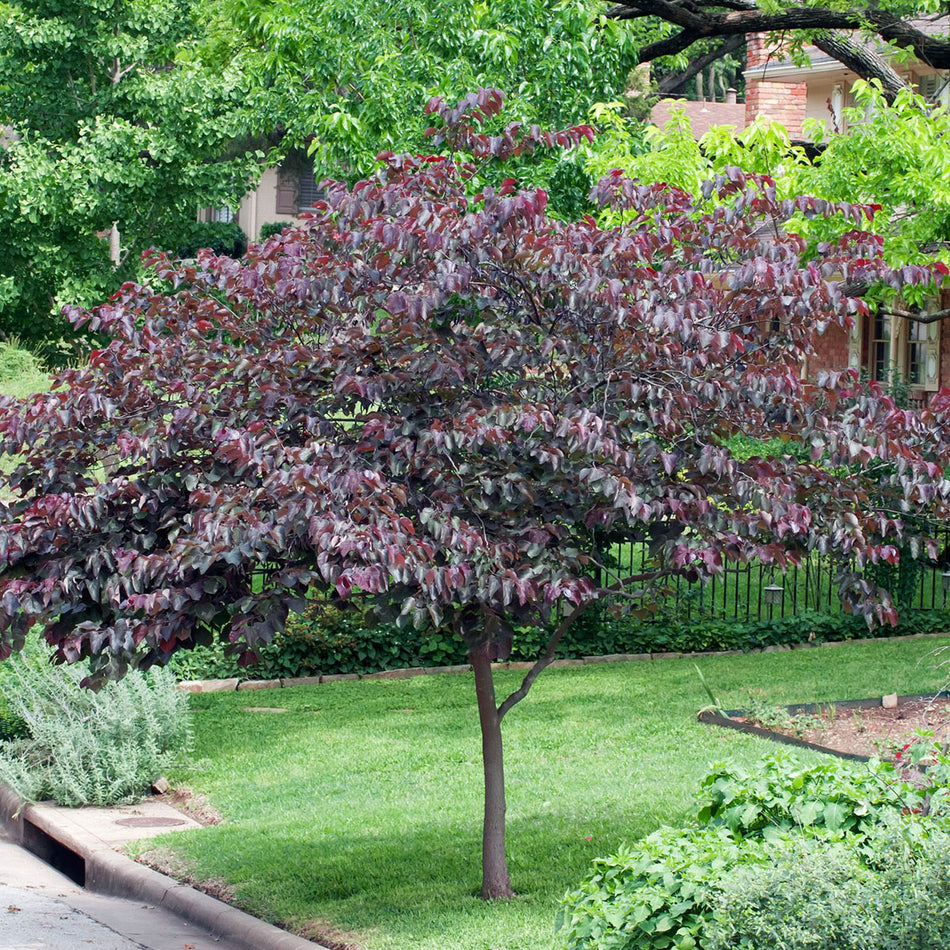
x: 867, y: 728
x: 192, y: 804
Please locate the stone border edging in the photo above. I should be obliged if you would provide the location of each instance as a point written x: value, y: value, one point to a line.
x: 724, y: 718
x: 236, y: 683
x: 109, y: 872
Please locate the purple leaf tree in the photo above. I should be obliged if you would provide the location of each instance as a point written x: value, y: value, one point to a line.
x: 438, y: 404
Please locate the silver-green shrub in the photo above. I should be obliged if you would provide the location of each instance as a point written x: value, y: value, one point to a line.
x: 90, y: 748
x: 889, y: 890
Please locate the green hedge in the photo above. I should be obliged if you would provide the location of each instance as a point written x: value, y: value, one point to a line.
x: 223, y: 237
x: 324, y: 641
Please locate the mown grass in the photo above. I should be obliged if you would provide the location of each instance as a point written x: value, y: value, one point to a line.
x: 357, y: 811
x: 21, y: 373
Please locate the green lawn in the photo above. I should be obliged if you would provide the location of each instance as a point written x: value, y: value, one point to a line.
x: 360, y: 806
x: 20, y: 373
x: 20, y: 376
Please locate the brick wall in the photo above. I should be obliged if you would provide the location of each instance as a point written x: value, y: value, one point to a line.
x: 783, y: 102
x: 831, y: 351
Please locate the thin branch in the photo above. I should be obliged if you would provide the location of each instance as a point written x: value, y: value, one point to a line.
x: 675, y: 81
x: 548, y: 656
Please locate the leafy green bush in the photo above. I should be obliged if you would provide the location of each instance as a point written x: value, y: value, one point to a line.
x: 778, y: 794
x: 783, y: 856
x: 16, y: 363
x: 653, y: 895
x: 21, y: 372
x: 86, y: 748
x: 324, y: 640
x: 827, y: 895
x: 12, y: 726
x: 223, y: 237
x: 269, y: 228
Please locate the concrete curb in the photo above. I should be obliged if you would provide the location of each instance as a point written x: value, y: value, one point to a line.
x: 109, y: 872
x: 229, y: 685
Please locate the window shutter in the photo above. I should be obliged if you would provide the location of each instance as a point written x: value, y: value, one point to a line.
x: 286, y: 193
x: 855, y: 338
x: 935, y: 88
x: 931, y: 367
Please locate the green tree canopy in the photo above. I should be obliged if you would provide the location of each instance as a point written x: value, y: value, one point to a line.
x: 111, y: 120
x: 354, y: 78
x: 893, y: 156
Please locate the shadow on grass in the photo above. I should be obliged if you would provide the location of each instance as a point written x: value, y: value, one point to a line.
x: 410, y: 881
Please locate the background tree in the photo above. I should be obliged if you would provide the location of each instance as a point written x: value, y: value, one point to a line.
x: 891, y: 155
x: 110, y: 120
x: 919, y: 30
x: 363, y: 87
x: 441, y: 406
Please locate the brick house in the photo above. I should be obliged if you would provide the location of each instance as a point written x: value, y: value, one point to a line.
x: 878, y: 345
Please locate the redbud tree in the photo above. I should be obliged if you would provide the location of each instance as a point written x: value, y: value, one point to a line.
x: 444, y: 405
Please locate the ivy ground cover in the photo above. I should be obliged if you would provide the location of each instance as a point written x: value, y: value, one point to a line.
x: 356, y: 813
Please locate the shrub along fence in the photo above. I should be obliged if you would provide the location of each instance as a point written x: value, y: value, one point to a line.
x: 740, y: 592
x: 731, y: 612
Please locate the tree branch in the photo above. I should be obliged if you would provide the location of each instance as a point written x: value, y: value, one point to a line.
x: 698, y: 20
x: 676, y: 81
x: 862, y: 60
x: 934, y: 316
x: 547, y: 657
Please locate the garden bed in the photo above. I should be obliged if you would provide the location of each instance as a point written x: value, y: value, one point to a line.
x: 858, y: 729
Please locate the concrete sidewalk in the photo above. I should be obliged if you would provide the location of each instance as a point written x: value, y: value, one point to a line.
x: 157, y: 912
x: 41, y: 909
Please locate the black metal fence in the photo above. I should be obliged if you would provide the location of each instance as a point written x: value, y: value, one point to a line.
x: 741, y: 591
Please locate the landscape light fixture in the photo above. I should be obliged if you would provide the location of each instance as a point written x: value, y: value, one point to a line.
x: 773, y: 593
x: 945, y: 582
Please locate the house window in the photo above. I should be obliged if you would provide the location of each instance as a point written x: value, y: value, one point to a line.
x: 223, y: 215
x: 297, y: 189
x: 308, y: 192
x: 935, y: 88
x: 916, y: 353
x: 891, y: 348
x: 881, y: 348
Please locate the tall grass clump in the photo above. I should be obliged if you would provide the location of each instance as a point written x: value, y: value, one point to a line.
x: 79, y: 747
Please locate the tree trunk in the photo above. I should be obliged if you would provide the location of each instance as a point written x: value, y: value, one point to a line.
x: 496, y: 882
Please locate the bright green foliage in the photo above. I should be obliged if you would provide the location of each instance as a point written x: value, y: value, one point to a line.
x: 779, y: 795
x: 897, y: 157
x: 893, y: 156
x: 111, y: 119
x: 361, y: 87
x: 783, y: 856
x: 83, y: 748
x: 654, y: 895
